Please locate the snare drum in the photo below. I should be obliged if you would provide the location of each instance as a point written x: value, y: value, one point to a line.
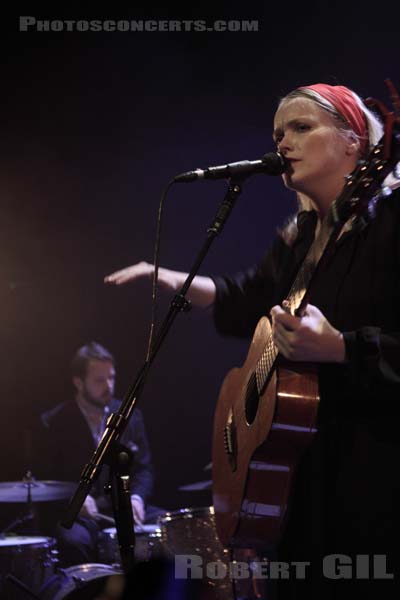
x: 147, y: 544
x: 31, y: 559
x: 85, y: 582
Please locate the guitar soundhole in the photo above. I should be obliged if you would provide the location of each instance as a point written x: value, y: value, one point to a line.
x: 252, y: 400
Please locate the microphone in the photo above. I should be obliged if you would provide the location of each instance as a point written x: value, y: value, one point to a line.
x: 272, y: 163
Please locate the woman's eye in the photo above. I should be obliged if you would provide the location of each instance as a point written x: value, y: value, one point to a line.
x: 302, y: 127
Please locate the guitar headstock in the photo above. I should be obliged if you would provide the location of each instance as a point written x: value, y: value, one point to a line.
x: 365, y: 182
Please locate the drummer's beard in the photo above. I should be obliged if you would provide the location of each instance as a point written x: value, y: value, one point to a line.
x: 101, y: 403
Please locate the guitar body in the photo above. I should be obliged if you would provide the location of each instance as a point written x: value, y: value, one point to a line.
x: 257, y: 443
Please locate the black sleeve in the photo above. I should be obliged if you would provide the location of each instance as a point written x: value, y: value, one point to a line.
x: 241, y: 300
x: 373, y: 350
x: 373, y: 357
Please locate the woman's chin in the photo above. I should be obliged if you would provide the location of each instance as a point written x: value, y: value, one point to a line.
x: 291, y: 181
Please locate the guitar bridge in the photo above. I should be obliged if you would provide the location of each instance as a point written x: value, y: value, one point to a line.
x: 230, y: 441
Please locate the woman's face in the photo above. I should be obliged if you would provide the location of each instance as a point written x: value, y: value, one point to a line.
x: 319, y: 155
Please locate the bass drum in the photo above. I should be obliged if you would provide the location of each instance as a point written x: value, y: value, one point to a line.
x: 85, y: 582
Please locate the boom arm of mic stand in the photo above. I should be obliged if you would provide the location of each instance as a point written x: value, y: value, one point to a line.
x: 117, y: 421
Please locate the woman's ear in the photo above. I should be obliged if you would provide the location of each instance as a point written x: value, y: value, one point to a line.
x: 353, y: 144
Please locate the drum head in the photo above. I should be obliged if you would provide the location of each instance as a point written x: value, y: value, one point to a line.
x: 23, y: 540
x: 206, y: 512
x: 146, y: 528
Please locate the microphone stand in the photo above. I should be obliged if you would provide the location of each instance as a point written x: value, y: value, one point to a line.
x: 120, y: 489
x: 116, y: 422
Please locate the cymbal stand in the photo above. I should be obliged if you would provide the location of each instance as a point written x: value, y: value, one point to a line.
x: 29, y: 515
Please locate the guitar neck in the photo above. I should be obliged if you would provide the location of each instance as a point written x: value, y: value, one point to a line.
x: 296, y: 298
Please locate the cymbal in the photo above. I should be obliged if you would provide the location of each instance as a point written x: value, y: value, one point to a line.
x: 196, y: 487
x: 40, y: 491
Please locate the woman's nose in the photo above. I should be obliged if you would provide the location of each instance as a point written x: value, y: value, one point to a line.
x: 285, y: 144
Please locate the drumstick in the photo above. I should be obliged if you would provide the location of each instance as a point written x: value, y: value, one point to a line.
x: 100, y: 516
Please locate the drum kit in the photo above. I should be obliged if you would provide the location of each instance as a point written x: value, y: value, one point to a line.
x: 29, y: 563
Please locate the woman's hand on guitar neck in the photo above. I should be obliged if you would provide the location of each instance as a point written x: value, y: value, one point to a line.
x: 201, y: 292
x: 310, y: 338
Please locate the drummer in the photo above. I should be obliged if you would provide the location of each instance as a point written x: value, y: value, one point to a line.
x: 68, y: 436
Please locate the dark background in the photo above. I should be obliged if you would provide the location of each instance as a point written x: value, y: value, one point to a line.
x: 92, y: 127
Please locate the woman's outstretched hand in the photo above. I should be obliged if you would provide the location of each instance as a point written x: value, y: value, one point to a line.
x: 143, y: 270
x: 201, y: 292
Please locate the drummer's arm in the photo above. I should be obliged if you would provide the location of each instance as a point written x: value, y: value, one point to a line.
x: 137, y: 509
x: 89, y: 508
